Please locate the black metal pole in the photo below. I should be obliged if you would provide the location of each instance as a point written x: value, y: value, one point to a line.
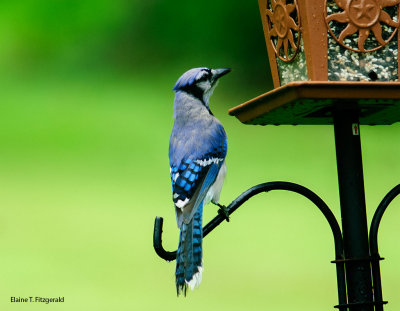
x: 353, y: 210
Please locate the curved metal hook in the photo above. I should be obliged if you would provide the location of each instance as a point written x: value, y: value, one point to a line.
x: 265, y: 187
x: 157, y: 241
x: 373, y: 232
x: 373, y: 244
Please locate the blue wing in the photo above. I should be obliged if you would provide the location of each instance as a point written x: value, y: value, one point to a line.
x: 194, y: 173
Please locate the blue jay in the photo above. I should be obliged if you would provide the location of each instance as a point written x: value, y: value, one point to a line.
x: 197, y: 151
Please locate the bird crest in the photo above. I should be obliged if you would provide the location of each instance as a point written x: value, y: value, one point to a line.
x: 190, y: 77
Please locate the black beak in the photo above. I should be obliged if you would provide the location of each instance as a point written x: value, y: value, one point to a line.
x: 218, y: 73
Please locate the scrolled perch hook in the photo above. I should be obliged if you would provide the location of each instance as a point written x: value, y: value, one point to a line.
x: 265, y: 187
x: 373, y: 245
x: 157, y: 241
x: 376, y: 220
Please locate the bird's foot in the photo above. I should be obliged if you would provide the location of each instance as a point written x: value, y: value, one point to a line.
x: 223, y: 211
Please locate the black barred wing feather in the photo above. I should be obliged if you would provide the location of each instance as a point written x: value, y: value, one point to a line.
x: 190, y: 183
x: 194, y: 166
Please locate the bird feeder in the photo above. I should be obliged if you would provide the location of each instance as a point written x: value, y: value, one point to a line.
x: 331, y: 40
x: 326, y: 50
x: 336, y: 62
x: 333, y: 62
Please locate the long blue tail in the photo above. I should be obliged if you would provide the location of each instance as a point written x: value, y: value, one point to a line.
x: 190, y: 253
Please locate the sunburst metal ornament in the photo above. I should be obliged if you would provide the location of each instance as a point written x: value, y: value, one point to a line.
x: 282, y: 25
x: 363, y: 16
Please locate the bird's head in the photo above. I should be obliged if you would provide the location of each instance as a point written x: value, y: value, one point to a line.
x: 200, y: 82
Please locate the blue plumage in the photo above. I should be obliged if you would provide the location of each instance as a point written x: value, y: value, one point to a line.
x: 190, y: 251
x: 197, y: 151
x: 188, y: 78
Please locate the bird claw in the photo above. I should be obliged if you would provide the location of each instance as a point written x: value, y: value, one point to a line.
x: 223, y: 211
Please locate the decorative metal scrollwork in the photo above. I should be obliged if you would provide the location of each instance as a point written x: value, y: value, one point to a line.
x: 345, y: 18
x: 283, y: 30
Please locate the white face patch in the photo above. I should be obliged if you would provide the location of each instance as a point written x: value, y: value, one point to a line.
x: 208, y: 93
x: 204, y: 85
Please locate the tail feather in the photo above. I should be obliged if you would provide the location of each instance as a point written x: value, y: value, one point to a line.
x: 189, y: 255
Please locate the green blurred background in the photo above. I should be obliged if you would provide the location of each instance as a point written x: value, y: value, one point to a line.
x: 85, y: 119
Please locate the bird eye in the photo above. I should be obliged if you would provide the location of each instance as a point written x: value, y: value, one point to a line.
x: 206, y: 75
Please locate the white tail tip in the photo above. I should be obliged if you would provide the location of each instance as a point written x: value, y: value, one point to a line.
x: 196, y: 280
